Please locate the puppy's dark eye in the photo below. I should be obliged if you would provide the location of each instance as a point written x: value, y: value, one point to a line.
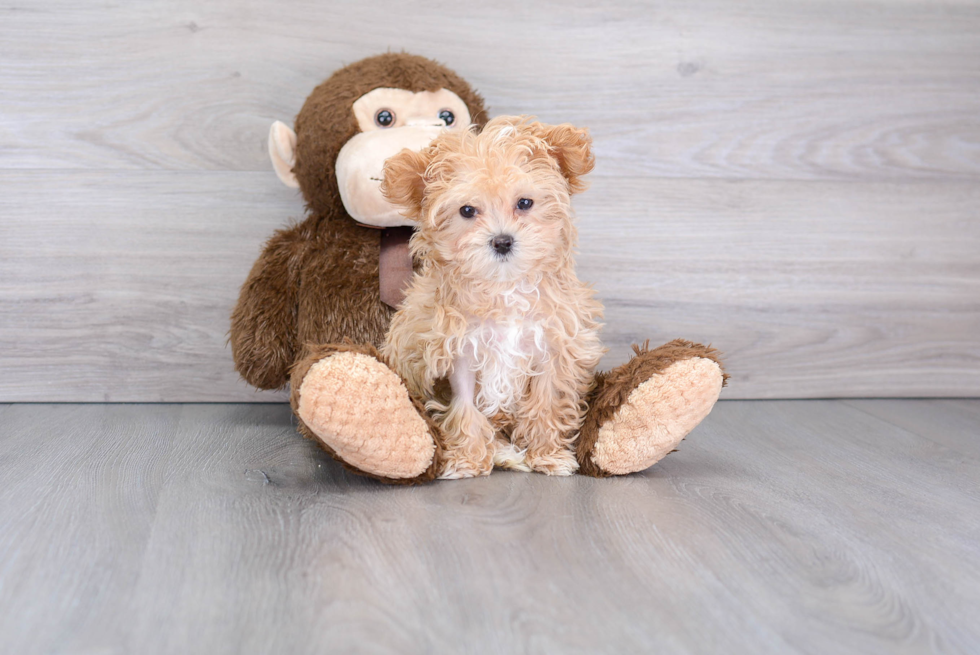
x: 467, y: 212
x: 524, y: 203
x: 384, y: 118
x: 447, y: 117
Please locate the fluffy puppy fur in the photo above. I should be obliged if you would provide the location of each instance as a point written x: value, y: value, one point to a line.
x: 509, y: 325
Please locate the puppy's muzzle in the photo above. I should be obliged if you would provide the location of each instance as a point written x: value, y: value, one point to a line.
x: 502, y: 244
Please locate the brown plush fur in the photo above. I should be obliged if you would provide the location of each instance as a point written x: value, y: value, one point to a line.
x: 317, y: 282
x: 613, y: 388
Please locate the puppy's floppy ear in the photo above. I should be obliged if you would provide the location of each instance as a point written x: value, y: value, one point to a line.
x: 404, y: 181
x: 572, y: 147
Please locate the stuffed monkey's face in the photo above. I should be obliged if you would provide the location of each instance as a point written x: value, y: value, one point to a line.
x: 390, y: 120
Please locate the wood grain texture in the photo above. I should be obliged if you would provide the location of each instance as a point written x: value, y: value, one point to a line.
x: 779, y: 527
x: 804, y: 89
x: 123, y: 289
x: 951, y: 424
x: 795, y: 182
x: 121, y: 292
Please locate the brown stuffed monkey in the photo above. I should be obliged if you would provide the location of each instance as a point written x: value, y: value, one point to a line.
x: 317, y: 303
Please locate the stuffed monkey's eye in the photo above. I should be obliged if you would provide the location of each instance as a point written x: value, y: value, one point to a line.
x: 524, y: 203
x: 384, y: 118
x: 447, y: 117
x: 467, y: 211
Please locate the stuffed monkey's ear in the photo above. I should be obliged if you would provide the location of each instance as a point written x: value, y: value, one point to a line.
x: 404, y: 181
x: 572, y: 147
x: 282, y: 151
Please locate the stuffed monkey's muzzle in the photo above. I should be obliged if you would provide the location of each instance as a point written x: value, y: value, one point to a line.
x: 360, y: 167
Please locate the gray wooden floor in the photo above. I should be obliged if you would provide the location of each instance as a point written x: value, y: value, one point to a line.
x: 779, y: 527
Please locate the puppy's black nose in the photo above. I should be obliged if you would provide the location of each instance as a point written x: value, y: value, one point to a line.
x: 502, y: 243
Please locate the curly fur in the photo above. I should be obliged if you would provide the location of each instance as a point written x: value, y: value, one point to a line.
x: 516, y: 335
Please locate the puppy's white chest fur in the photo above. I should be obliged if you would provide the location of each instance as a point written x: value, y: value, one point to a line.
x: 497, y: 360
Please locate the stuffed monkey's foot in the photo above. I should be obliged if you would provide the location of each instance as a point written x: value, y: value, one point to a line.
x: 358, y: 408
x: 641, y: 411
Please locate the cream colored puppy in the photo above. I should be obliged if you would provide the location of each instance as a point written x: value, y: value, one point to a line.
x: 497, y: 308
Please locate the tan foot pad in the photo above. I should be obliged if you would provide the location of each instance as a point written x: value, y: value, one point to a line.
x: 657, y: 415
x: 360, y: 409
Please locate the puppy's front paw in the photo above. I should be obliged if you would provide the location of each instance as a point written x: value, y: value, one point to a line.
x: 458, y: 465
x: 555, y: 462
x: 507, y: 456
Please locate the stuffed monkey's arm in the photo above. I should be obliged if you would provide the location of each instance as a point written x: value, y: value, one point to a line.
x: 263, y: 325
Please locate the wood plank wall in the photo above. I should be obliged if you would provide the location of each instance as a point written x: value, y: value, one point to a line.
x: 795, y: 181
